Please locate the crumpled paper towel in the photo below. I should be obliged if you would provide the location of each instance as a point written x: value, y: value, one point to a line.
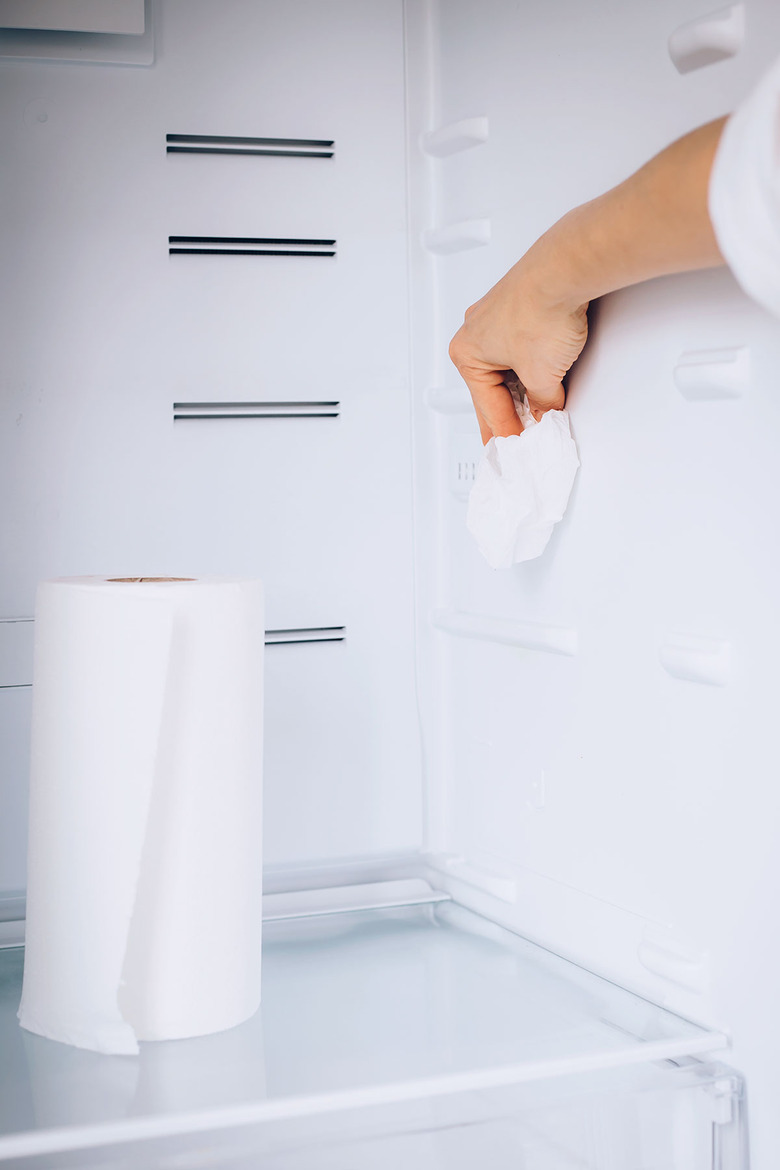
x: 522, y: 487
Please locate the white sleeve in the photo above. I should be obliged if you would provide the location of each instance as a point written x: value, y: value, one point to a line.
x: 744, y: 193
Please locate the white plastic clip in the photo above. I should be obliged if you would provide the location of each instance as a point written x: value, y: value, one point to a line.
x: 709, y: 39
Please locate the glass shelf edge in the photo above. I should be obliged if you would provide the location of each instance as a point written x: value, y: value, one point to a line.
x: 433, y: 900
x: 90, y: 1137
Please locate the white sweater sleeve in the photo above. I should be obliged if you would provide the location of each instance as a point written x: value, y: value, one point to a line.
x: 744, y: 193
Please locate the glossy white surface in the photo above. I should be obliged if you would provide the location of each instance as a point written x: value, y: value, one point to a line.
x: 102, y: 331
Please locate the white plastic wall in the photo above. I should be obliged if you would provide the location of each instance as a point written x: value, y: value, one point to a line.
x: 600, y: 723
x: 103, y: 331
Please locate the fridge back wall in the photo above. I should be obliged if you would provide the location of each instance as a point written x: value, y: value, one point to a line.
x: 170, y: 409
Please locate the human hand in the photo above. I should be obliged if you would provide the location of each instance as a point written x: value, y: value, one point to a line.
x: 520, y: 327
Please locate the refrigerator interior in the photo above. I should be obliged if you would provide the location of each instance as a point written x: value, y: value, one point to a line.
x: 578, y: 751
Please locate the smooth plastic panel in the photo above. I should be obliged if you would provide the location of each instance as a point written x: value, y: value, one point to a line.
x: 619, y: 804
x: 91, y: 16
x: 103, y: 332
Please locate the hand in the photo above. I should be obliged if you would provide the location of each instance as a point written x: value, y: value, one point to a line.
x: 518, y: 326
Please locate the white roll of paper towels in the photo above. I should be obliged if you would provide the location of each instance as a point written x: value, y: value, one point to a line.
x: 144, y: 872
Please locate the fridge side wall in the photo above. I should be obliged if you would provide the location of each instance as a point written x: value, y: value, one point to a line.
x: 601, y: 733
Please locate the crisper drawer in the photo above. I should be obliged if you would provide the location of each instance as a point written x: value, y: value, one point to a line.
x: 397, y: 1029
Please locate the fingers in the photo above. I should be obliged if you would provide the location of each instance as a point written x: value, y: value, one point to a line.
x: 495, y: 407
x: 551, y: 398
x: 493, y: 403
x: 492, y: 400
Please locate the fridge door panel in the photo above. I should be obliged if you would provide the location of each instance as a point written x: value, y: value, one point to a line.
x: 616, y: 802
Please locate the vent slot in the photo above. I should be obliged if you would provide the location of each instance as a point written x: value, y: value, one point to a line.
x: 227, y: 144
x: 315, y: 634
x: 248, y: 246
x: 211, y: 410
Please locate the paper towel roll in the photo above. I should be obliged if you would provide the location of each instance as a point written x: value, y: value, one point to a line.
x: 144, y: 870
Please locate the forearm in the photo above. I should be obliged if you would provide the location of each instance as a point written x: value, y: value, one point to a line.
x: 653, y: 224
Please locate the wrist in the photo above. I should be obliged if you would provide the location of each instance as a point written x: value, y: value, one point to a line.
x: 558, y: 269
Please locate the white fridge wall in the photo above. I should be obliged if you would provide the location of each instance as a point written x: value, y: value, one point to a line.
x: 614, y: 794
x: 103, y: 332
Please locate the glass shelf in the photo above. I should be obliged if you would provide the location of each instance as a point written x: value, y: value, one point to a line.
x: 360, y: 1009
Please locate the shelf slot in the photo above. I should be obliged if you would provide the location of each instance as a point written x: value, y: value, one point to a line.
x: 313, y: 634
x: 223, y: 410
x: 234, y: 144
x: 248, y: 246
